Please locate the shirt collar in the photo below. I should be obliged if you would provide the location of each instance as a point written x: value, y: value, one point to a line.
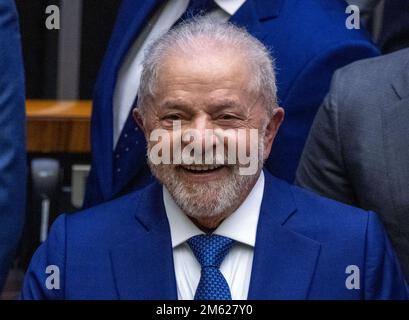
x: 230, y: 6
x: 181, y: 227
x: 240, y: 226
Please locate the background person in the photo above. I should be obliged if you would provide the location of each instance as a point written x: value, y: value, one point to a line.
x: 12, y: 137
x: 358, y: 148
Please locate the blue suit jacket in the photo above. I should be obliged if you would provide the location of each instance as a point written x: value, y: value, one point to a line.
x: 12, y: 137
x: 309, y: 41
x: 122, y: 250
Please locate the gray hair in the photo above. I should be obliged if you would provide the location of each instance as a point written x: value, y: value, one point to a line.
x: 187, y: 36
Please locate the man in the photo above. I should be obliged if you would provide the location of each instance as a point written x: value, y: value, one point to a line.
x: 309, y: 41
x: 211, y: 229
x: 358, y: 148
x: 12, y: 139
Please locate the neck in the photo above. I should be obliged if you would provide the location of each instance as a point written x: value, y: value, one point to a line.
x: 208, y: 225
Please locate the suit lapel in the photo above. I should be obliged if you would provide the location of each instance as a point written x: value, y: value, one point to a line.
x: 284, y: 261
x: 396, y: 141
x: 131, y: 19
x: 143, y: 268
x: 252, y: 12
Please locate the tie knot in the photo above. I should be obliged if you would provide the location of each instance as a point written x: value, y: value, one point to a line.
x: 210, y: 250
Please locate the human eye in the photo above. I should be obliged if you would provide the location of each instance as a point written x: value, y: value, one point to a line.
x: 171, y: 117
x: 227, y: 116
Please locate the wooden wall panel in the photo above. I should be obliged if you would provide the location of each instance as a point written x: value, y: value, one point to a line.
x: 58, y: 126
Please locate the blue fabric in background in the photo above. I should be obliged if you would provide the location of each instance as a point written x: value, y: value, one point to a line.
x: 12, y: 137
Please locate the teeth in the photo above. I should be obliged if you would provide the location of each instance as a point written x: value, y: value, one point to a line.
x: 202, y: 167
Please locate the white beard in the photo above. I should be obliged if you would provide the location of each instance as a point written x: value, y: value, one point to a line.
x: 211, y: 199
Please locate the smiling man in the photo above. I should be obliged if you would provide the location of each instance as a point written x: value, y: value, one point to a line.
x: 205, y: 230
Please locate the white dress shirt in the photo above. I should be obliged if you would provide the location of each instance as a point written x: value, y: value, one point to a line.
x: 240, y: 226
x: 130, y: 72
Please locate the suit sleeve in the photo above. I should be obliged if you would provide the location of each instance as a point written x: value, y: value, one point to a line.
x: 383, y: 278
x: 44, y: 279
x: 12, y: 137
x: 321, y: 168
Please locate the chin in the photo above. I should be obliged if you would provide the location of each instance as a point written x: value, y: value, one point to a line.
x: 204, y: 199
x: 204, y: 207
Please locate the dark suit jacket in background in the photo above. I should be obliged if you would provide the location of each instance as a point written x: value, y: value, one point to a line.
x: 12, y: 137
x: 395, y: 26
x: 309, y: 41
x: 122, y: 249
x: 358, y: 148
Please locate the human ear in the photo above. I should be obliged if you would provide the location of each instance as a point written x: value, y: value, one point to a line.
x: 272, y: 129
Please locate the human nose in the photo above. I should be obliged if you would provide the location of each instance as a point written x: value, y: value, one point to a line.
x: 199, y: 131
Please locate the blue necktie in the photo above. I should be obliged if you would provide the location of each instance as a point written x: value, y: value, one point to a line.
x: 210, y: 251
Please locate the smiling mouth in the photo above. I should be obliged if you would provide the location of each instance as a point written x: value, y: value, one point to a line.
x: 202, y: 169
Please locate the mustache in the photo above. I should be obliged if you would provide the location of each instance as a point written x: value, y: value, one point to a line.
x: 205, y: 158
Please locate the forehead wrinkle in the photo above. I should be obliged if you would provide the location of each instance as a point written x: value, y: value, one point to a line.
x: 212, y: 55
x: 179, y: 86
x: 174, y: 103
x: 226, y: 102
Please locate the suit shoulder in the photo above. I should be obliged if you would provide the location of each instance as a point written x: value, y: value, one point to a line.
x: 374, y: 70
x: 109, y: 221
x: 110, y: 210
x: 323, y: 205
x: 351, y: 84
x: 329, y: 219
